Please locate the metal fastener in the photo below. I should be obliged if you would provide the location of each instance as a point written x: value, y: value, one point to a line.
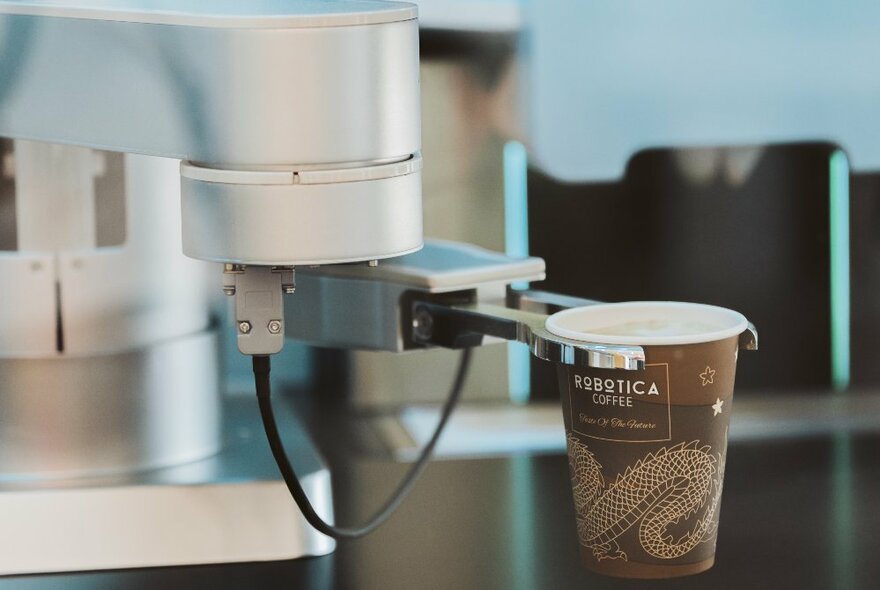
x: 244, y: 327
x: 423, y: 325
x: 372, y: 263
x: 274, y: 327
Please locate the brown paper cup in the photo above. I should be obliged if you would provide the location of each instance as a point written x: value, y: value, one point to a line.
x: 647, y: 448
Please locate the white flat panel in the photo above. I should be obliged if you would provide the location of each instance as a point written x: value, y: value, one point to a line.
x: 157, y: 525
x: 55, y: 196
x: 144, y: 291
x: 443, y: 266
x: 27, y: 305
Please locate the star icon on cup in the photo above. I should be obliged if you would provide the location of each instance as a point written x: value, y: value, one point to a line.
x: 717, y: 406
x: 708, y: 376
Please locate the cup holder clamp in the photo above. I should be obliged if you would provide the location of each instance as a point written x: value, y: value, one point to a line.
x: 522, y: 317
x: 463, y: 325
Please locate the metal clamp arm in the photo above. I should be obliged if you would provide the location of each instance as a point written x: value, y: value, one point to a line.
x: 545, y: 302
x: 465, y: 325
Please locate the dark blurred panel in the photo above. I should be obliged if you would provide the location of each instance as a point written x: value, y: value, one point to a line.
x: 758, y: 244
x: 8, y: 239
x: 483, y: 54
x: 865, y: 257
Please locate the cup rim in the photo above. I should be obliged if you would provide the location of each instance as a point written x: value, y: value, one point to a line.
x: 731, y: 323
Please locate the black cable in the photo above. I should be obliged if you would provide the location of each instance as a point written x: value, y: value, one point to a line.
x: 262, y: 367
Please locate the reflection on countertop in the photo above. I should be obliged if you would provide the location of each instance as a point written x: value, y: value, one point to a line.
x: 799, y: 511
x: 487, y: 430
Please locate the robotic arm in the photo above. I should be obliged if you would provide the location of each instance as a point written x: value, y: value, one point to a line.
x: 297, y: 123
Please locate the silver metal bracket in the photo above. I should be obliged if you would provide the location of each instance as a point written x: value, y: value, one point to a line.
x: 467, y: 324
x: 748, y: 340
x: 259, y: 305
x: 440, y: 296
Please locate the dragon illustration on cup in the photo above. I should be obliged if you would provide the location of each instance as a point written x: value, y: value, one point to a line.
x: 656, y: 492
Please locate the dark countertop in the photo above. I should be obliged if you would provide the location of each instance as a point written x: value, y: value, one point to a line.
x: 797, y: 513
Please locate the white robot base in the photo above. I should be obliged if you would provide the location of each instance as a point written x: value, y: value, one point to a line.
x: 230, y: 507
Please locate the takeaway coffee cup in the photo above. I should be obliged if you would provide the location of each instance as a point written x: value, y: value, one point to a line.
x: 646, y: 448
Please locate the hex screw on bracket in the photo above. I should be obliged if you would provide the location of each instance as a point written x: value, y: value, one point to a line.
x: 244, y: 327
x: 274, y: 327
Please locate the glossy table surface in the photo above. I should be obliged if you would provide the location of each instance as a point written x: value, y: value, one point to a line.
x: 796, y: 513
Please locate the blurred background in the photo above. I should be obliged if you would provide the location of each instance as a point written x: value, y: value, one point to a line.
x: 614, y: 142
x: 717, y: 153
x: 608, y: 140
x: 784, y: 232
x: 721, y: 152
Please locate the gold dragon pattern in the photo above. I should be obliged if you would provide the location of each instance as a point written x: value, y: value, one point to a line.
x: 657, y: 491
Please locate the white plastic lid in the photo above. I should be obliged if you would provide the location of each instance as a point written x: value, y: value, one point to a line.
x: 647, y: 323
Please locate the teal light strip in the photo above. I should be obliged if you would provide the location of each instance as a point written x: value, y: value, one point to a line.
x: 840, y: 280
x: 516, y: 212
x: 516, y: 243
x: 842, y: 507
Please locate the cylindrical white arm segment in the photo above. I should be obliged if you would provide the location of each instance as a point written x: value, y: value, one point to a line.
x: 297, y: 218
